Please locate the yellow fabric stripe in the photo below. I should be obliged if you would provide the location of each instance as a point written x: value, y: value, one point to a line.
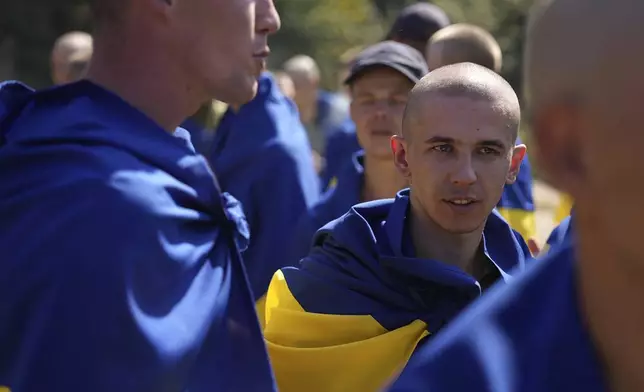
x: 520, y: 220
x: 563, y: 210
x: 332, y: 353
x: 260, y: 307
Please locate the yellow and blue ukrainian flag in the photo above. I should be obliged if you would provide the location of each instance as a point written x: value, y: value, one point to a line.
x: 355, y: 310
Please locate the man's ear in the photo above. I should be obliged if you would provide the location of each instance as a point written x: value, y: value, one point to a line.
x: 518, y: 153
x: 399, y: 149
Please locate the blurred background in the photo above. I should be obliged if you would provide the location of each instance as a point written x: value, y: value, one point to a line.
x: 330, y: 31
x: 323, y: 29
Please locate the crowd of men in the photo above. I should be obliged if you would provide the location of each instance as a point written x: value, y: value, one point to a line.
x: 175, y: 217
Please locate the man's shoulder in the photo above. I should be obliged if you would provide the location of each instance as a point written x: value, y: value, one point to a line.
x: 507, y: 336
x: 344, y: 251
x: 359, y: 223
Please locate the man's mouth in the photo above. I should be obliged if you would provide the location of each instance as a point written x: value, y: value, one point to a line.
x: 461, y: 201
x: 261, y: 56
x: 381, y: 132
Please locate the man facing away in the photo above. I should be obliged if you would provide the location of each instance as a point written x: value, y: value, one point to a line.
x: 573, y: 322
x: 391, y: 272
x: 466, y: 43
x: 379, y: 82
x: 120, y: 267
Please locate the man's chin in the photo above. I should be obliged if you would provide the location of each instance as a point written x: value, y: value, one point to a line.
x: 243, y: 95
x: 463, y: 227
x: 253, y: 90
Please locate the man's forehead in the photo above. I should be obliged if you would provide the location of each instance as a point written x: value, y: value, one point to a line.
x: 433, y: 103
x: 462, y: 118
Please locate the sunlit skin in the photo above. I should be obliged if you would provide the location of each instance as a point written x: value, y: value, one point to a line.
x: 169, y: 57
x: 458, y: 150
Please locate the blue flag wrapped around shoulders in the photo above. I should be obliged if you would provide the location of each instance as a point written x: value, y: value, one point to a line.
x: 120, y: 269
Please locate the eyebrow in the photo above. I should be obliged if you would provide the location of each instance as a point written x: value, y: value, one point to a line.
x: 492, y: 143
x: 448, y: 140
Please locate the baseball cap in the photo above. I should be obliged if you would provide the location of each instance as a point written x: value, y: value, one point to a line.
x: 418, y: 22
x: 395, y: 55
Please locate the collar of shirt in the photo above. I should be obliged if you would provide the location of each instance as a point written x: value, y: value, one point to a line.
x: 427, y: 280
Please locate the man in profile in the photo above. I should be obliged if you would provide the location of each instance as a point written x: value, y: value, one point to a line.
x: 70, y: 57
x: 121, y: 268
x: 574, y: 321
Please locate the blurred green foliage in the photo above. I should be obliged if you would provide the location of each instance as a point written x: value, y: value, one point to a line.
x: 323, y: 29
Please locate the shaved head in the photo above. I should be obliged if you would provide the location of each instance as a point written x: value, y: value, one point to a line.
x: 464, y: 80
x: 565, y: 53
x: 585, y: 88
x: 459, y: 138
x: 558, y: 53
x: 461, y: 43
x: 71, y: 54
x: 302, y: 67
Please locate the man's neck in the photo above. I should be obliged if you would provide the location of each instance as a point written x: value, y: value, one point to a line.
x: 381, y: 179
x: 133, y: 72
x: 433, y: 242
x: 611, y: 291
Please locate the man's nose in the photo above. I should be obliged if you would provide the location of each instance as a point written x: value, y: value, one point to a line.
x: 268, y: 19
x: 464, y: 173
x: 381, y: 108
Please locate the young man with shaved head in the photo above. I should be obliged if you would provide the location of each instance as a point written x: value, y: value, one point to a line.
x: 574, y: 321
x: 466, y: 43
x: 121, y: 268
x: 390, y: 273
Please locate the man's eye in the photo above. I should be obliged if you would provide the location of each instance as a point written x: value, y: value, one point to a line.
x: 443, y: 148
x: 488, y: 151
